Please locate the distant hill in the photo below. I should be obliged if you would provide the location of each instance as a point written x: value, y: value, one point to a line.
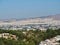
x: 45, y: 19
x: 55, y: 17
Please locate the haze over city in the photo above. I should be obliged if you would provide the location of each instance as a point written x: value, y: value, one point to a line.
x: 28, y: 8
x: 29, y: 22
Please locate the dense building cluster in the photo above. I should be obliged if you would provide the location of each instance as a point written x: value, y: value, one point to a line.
x: 8, y: 36
x: 30, y: 27
x: 52, y: 41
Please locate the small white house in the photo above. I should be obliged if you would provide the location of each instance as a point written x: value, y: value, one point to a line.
x: 57, y: 37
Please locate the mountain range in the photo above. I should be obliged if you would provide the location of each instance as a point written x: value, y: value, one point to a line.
x: 52, y: 19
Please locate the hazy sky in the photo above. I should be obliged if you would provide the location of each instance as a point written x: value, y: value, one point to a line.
x: 28, y: 8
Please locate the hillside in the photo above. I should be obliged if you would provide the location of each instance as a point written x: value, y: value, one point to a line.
x: 46, y: 19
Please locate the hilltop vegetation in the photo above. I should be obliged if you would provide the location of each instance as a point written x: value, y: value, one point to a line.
x: 28, y: 37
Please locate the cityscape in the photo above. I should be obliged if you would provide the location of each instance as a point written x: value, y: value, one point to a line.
x: 29, y: 22
x: 50, y: 22
x: 32, y: 24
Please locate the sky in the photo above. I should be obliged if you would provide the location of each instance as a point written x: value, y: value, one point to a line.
x: 28, y: 8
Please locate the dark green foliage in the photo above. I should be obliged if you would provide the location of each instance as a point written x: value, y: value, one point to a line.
x: 31, y: 37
